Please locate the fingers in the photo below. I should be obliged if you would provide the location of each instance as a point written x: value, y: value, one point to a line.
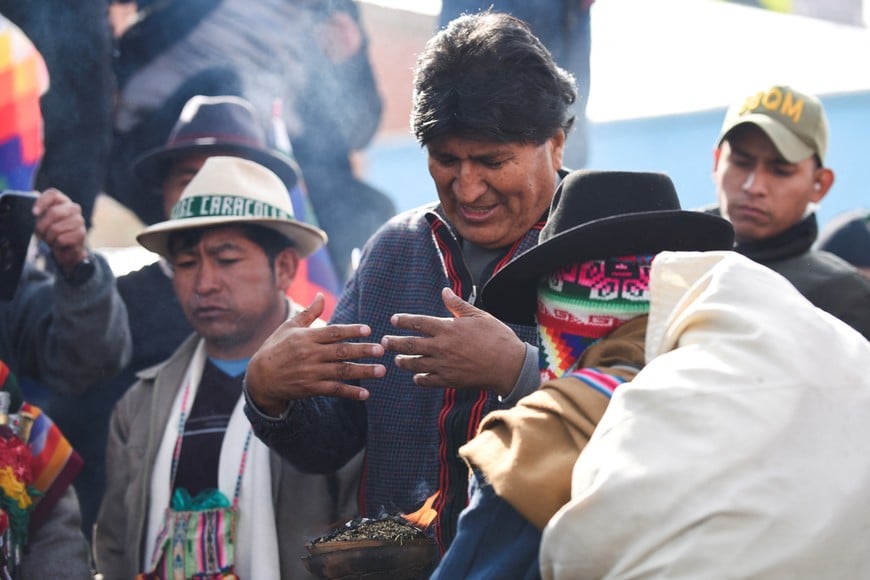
x: 457, y: 306
x: 419, y: 323
x: 429, y: 326
x: 308, y: 315
x: 340, y: 333
x: 316, y: 353
x: 273, y: 401
x: 410, y: 345
x: 351, y: 392
x: 348, y: 371
x: 292, y: 367
x: 414, y: 363
x: 48, y: 198
x: 425, y: 370
x: 338, y: 388
x: 60, y: 224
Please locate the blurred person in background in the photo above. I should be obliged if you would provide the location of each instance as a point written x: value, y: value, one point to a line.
x: 848, y: 236
x: 64, y: 326
x: 312, y: 56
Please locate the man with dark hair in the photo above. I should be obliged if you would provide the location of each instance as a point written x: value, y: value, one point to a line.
x: 207, y: 126
x: 184, y: 477
x: 492, y: 110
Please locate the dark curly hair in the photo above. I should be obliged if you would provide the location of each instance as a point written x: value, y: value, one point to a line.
x: 487, y: 77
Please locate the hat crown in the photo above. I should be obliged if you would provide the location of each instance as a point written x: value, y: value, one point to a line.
x: 231, y: 190
x: 218, y: 120
x: 233, y: 187
x: 586, y: 196
x: 596, y: 215
x: 222, y: 125
x: 800, y: 114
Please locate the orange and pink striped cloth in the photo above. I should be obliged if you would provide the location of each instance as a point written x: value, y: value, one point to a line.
x: 54, y: 462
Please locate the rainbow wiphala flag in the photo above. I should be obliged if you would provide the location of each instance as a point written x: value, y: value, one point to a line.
x: 23, y: 79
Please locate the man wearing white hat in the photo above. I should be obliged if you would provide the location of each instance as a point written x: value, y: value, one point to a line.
x: 185, y: 476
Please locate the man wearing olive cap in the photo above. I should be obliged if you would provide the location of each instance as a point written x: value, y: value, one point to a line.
x: 769, y: 170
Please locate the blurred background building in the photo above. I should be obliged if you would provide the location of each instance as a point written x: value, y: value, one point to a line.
x: 663, y: 73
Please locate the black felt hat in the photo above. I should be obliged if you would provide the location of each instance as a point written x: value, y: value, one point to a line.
x: 596, y: 215
x: 222, y: 125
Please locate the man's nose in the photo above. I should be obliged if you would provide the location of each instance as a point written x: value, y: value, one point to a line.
x: 469, y: 185
x: 755, y: 182
x: 207, y: 278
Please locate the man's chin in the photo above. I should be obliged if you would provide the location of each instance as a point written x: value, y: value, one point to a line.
x: 217, y: 334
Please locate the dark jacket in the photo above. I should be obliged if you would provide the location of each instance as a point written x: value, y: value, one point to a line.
x: 66, y: 337
x: 827, y: 281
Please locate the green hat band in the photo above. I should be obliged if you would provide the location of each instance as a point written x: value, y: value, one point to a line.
x: 199, y: 206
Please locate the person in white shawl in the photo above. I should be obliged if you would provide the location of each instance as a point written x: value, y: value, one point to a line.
x: 740, y: 449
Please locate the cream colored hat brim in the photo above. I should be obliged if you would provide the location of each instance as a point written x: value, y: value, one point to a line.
x: 306, y: 239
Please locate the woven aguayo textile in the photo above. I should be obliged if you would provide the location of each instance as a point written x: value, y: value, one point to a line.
x: 583, y: 302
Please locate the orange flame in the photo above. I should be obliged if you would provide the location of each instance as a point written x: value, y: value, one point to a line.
x: 423, y: 516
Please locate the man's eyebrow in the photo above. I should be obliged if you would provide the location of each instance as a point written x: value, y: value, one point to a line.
x: 222, y: 247
x: 485, y: 156
x: 210, y: 250
x: 489, y: 155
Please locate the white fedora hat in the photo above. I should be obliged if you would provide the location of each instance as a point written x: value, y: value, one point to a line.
x: 232, y: 190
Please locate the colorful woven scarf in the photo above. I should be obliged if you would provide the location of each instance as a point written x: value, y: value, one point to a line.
x: 23, y: 79
x: 36, y: 466
x: 53, y: 462
x: 582, y: 302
